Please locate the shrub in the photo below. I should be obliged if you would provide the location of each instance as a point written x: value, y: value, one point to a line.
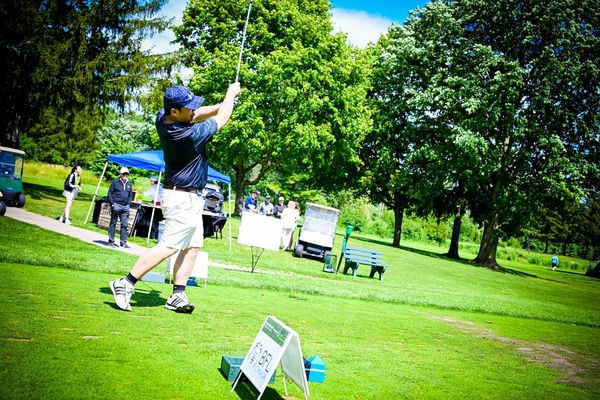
x: 514, y: 243
x: 534, y: 258
x: 469, y: 248
x: 469, y: 232
x: 435, y: 231
x: 412, y: 230
x: 381, y: 228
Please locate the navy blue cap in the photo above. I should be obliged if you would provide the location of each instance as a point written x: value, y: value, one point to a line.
x: 180, y: 96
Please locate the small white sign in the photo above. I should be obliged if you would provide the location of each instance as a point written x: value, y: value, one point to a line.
x: 275, y: 342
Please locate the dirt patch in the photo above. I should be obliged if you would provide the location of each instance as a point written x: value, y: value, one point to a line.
x: 576, y: 368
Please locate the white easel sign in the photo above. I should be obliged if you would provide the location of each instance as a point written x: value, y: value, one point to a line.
x: 275, y: 343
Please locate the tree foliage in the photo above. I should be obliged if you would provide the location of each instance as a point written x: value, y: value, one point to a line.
x: 122, y: 135
x: 302, y: 110
x: 505, y: 100
x: 65, y: 62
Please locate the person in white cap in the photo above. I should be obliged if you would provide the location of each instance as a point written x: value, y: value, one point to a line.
x: 120, y: 194
x: 279, y: 207
x: 154, y: 190
x: 184, y: 128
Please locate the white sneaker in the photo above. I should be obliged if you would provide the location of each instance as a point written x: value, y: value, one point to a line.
x: 122, y: 291
x: 179, y: 302
x: 61, y: 219
x: 67, y: 221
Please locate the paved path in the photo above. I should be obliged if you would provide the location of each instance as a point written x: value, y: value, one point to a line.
x: 99, y: 239
x: 51, y: 224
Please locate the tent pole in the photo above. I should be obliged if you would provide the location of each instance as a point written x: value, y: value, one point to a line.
x: 229, y: 206
x: 95, y: 193
x: 153, y: 206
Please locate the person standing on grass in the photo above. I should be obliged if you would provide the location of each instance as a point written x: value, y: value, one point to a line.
x: 251, y: 203
x: 154, y: 190
x: 289, y: 216
x: 120, y: 194
x: 266, y: 207
x: 184, y: 128
x: 72, y: 187
x: 554, y: 262
x: 279, y: 207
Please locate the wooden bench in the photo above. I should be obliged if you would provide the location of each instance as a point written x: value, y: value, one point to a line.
x: 357, y: 255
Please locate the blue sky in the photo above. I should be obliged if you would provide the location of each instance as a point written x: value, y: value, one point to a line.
x: 396, y: 11
x: 363, y: 21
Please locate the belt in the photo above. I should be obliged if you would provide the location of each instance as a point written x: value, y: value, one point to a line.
x: 180, y: 189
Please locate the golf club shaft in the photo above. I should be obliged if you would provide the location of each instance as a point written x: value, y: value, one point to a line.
x: 237, y: 74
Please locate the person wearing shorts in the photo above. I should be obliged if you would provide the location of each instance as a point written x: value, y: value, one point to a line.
x: 71, y: 189
x: 184, y: 128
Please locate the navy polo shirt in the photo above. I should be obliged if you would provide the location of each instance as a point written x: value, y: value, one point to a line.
x: 184, y: 149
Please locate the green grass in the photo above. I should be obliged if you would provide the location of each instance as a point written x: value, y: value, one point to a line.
x: 68, y: 336
x: 434, y: 328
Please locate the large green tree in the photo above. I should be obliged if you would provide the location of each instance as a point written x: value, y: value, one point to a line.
x: 387, y: 146
x: 545, y: 139
x: 506, y: 99
x: 71, y: 58
x: 302, y: 112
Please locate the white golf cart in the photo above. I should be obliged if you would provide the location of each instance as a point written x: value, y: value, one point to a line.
x: 317, y: 232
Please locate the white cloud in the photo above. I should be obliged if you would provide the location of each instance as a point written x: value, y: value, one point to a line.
x: 361, y: 27
x: 161, y: 43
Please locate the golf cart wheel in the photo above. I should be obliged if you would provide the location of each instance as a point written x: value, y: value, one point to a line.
x: 299, y: 250
x: 2, y: 208
x: 21, y: 200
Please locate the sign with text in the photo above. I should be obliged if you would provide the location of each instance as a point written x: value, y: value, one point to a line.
x: 275, y: 342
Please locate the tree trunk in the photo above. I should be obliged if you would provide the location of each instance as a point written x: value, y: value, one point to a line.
x: 240, y: 185
x: 489, y: 245
x: 563, y: 251
x: 398, y: 217
x: 12, y: 132
x: 546, y: 248
x: 453, y: 250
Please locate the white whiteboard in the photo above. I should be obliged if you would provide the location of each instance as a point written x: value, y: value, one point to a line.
x: 200, y: 270
x: 260, y: 231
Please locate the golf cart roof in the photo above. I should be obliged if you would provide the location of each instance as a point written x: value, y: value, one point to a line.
x: 11, y: 150
x: 321, y: 206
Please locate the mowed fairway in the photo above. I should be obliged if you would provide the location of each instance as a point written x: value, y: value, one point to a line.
x: 434, y: 328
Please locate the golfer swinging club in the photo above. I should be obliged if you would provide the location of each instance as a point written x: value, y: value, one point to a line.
x: 184, y: 129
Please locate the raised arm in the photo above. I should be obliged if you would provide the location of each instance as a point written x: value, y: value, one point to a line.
x: 226, y: 108
x: 205, y: 112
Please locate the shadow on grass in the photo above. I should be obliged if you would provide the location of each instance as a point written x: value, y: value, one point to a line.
x: 143, y: 297
x: 593, y: 280
x: 41, y: 192
x: 438, y: 256
x: 246, y: 391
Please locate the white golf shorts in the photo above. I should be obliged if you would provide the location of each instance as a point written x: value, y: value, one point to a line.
x: 183, y: 220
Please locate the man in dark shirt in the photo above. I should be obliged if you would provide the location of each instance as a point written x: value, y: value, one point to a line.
x: 279, y: 207
x: 119, y: 196
x: 250, y: 205
x: 184, y: 129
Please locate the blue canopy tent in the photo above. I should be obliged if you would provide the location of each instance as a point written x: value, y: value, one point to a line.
x: 153, y: 160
